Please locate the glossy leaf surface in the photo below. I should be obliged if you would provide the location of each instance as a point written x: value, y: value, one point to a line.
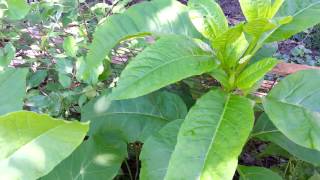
x: 208, y: 133
x: 170, y: 59
x: 208, y: 18
x: 161, y: 17
x: 305, y: 14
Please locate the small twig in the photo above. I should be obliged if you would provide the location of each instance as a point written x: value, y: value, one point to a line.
x: 84, y: 22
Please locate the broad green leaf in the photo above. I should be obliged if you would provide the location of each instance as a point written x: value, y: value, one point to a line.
x: 305, y: 14
x: 34, y: 79
x: 170, y: 59
x: 17, y: 9
x: 294, y: 108
x: 221, y: 76
x: 100, y: 157
x: 212, y: 137
x: 275, y: 8
x: 156, y: 152
x: 12, y: 89
x: 65, y: 80
x: 31, y: 145
x: 259, y: 26
x: 230, y: 46
x: 136, y: 119
x: 316, y: 176
x: 70, y: 46
x: 257, y: 173
x: 255, y: 9
x: 255, y: 72
x: 267, y: 51
x: 208, y: 17
x: 6, y: 55
x: 156, y: 17
x: 266, y: 131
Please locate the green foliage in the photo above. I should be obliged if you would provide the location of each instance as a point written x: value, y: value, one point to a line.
x: 208, y: 132
x: 14, y: 9
x: 180, y: 56
x: 157, y: 151
x: 31, y: 144
x: 257, y: 173
x: 148, y: 113
x: 294, y: 98
x: 12, y: 90
x: 130, y: 73
x: 99, y: 157
x: 266, y: 131
x: 162, y: 17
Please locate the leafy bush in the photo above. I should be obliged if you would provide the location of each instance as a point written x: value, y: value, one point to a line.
x: 137, y: 116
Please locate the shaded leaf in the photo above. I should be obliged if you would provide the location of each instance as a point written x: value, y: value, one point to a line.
x: 157, y: 150
x: 100, y: 157
x: 12, y: 89
x: 136, y: 119
x: 266, y: 131
x: 257, y: 173
x: 6, y: 55
x: 293, y: 106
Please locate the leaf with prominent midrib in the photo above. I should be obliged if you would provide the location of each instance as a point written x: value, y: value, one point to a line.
x: 255, y: 9
x: 257, y: 173
x: 305, y: 14
x: 294, y: 108
x: 31, y: 145
x: 255, y: 72
x: 100, y: 157
x: 208, y: 17
x: 12, y: 89
x: 212, y: 137
x: 155, y: 17
x: 171, y: 59
x: 266, y: 131
x: 136, y: 119
x: 157, y: 150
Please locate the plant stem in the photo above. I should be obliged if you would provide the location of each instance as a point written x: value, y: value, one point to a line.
x: 129, y: 170
x: 84, y: 22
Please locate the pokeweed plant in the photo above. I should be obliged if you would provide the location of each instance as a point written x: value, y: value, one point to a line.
x: 217, y: 127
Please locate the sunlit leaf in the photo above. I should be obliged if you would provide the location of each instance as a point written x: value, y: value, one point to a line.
x: 207, y: 133
x: 170, y: 59
x: 31, y: 145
